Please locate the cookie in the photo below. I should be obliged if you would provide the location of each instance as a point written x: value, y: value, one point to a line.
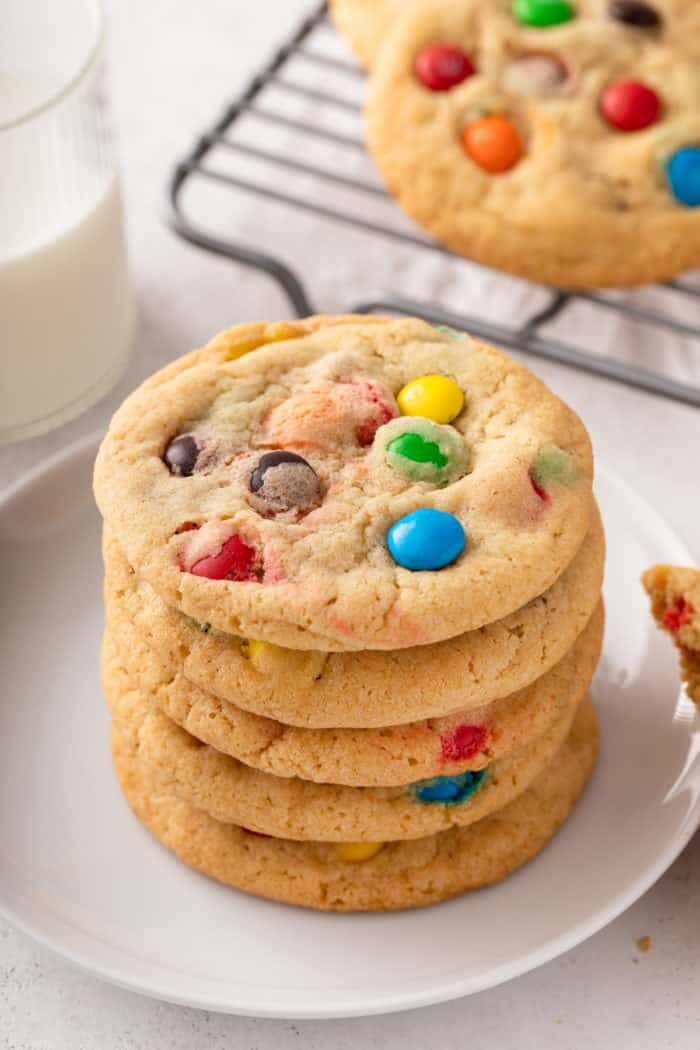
x: 559, y: 141
x: 675, y: 605
x: 330, y: 690
x: 405, y: 874
x: 285, y: 807
x: 386, y: 757
x: 340, y: 689
x: 366, y: 23
x: 337, y: 548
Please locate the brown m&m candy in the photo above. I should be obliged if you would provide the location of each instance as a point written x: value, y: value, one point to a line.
x: 635, y: 13
x: 284, y: 481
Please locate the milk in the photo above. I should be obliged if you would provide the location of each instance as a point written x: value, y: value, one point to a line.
x: 65, y: 317
x: 65, y: 308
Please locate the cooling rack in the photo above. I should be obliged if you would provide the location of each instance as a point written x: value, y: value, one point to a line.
x: 308, y: 155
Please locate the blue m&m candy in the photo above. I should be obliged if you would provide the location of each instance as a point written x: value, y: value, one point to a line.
x: 426, y: 539
x: 449, y: 790
x: 683, y: 173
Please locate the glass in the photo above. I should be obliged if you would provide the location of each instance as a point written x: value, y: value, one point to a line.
x: 65, y: 304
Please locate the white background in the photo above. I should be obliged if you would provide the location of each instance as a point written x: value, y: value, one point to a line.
x: 172, y: 65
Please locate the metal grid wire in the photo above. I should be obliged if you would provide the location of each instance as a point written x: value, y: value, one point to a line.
x: 348, y: 201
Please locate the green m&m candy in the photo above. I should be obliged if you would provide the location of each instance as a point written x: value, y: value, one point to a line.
x: 425, y: 451
x: 553, y: 466
x: 452, y: 333
x: 543, y: 13
x: 414, y: 448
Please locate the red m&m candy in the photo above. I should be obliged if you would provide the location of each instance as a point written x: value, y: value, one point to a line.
x: 235, y: 561
x: 678, y: 615
x: 440, y: 68
x: 463, y: 742
x: 629, y: 105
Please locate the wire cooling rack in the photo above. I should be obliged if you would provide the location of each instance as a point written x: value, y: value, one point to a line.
x: 307, y: 102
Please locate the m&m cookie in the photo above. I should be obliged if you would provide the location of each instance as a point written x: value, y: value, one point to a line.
x: 346, y: 484
x: 234, y: 792
x: 366, y: 23
x: 387, y: 756
x: 675, y: 604
x: 555, y: 139
x: 310, y: 689
x: 360, y: 875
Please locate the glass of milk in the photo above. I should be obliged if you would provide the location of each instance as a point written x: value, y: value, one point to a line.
x: 65, y: 307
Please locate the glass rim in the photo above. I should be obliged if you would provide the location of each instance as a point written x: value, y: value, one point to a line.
x: 74, y: 80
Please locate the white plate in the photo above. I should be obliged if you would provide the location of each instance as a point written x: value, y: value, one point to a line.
x: 80, y: 874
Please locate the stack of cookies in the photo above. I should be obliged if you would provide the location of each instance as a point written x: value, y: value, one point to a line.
x: 555, y: 139
x: 353, y: 572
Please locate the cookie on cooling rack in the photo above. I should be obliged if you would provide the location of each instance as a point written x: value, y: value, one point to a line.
x: 347, y: 483
x: 555, y: 139
x: 366, y: 23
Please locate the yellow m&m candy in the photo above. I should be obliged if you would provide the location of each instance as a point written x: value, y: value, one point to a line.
x: 356, y: 852
x: 433, y: 397
x: 251, y: 648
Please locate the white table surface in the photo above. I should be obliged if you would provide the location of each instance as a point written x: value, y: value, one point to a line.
x: 172, y: 65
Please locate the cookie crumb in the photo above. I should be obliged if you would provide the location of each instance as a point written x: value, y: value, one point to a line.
x: 644, y: 944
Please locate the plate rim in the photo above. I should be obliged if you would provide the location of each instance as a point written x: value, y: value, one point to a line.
x: 386, y: 1003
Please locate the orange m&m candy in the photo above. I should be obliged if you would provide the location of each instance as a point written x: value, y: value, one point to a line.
x: 493, y: 143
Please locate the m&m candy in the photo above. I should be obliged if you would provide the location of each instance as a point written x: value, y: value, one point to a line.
x: 181, y: 456
x: 425, y: 451
x: 441, y: 68
x: 203, y: 626
x: 635, y: 13
x: 463, y: 742
x: 433, y: 397
x: 236, y: 560
x: 543, y: 13
x: 330, y: 415
x: 629, y: 105
x: 552, y: 466
x: 357, y: 852
x: 285, y: 481
x: 534, y: 73
x: 493, y: 143
x: 452, y: 333
x: 678, y: 615
x: 683, y: 174
x: 426, y: 540
x: 449, y: 790
x: 252, y: 648
x: 414, y: 448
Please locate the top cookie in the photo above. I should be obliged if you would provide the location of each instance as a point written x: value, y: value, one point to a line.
x: 361, y: 483
x: 556, y: 139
